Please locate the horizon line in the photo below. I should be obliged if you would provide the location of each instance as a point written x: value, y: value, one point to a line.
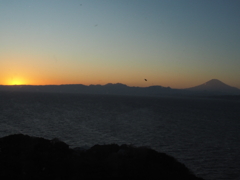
x: 79, y: 84
x: 114, y: 84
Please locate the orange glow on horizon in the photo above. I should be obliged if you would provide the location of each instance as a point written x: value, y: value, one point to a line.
x: 15, y: 80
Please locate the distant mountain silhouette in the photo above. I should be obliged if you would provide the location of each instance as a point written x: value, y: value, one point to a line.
x: 215, y: 86
x: 212, y: 87
x: 114, y: 89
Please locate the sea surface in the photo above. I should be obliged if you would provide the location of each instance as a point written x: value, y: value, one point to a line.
x: 202, y: 133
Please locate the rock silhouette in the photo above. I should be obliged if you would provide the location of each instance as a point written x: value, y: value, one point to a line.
x: 25, y: 157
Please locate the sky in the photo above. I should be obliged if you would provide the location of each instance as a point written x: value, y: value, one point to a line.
x: 171, y: 43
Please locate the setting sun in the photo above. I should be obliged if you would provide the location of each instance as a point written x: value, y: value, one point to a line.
x: 16, y: 82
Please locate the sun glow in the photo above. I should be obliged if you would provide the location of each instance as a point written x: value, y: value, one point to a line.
x: 16, y: 82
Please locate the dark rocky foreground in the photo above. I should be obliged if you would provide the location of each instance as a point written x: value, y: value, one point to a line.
x: 25, y: 157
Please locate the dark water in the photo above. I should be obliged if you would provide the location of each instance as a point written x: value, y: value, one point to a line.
x: 202, y: 133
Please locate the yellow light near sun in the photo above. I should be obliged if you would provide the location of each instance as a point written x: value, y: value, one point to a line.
x: 16, y: 82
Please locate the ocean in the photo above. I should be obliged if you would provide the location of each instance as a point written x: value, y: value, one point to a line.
x: 202, y: 133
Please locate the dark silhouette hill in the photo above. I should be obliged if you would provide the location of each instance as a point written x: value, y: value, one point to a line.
x: 25, y: 157
x: 215, y: 86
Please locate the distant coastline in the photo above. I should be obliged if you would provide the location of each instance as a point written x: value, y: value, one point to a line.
x: 213, y: 87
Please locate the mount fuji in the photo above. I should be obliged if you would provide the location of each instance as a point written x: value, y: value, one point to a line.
x: 215, y: 86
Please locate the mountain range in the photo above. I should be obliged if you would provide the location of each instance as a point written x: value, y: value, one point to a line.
x: 212, y: 87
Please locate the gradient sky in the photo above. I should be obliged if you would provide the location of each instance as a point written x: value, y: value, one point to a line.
x: 176, y: 43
